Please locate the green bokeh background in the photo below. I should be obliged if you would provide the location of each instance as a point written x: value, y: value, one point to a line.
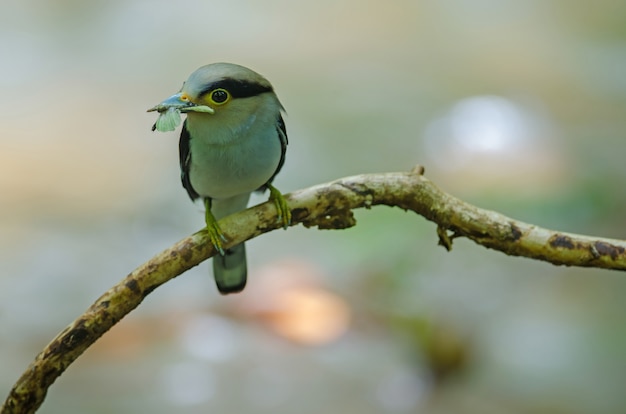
x: 516, y: 106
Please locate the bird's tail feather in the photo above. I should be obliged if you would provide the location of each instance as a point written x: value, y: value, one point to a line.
x: 231, y: 271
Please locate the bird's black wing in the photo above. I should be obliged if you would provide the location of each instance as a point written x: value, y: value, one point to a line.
x: 282, y: 135
x: 185, y: 161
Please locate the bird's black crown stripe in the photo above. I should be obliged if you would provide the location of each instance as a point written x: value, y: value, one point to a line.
x: 238, y: 88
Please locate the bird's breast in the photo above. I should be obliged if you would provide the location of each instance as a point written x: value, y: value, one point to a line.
x: 227, y: 162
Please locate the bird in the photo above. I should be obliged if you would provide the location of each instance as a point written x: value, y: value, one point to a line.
x: 232, y: 143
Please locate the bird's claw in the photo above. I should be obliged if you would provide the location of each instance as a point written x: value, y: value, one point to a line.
x: 216, y: 236
x: 213, y: 229
x: 282, y: 209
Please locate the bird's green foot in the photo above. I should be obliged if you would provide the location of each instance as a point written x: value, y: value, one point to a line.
x: 284, y: 214
x: 215, y: 233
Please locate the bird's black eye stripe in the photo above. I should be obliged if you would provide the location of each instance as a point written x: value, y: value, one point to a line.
x: 238, y: 88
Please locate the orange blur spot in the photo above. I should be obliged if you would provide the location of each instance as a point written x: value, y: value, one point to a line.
x: 309, y: 316
x: 289, y: 298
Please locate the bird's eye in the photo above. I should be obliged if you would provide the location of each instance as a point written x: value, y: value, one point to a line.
x: 219, y: 96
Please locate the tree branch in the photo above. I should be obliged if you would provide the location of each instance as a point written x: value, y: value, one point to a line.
x: 326, y: 206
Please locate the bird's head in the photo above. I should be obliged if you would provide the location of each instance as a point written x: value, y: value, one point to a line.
x: 224, y: 91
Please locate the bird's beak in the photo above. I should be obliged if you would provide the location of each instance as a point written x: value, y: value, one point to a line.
x: 180, y: 103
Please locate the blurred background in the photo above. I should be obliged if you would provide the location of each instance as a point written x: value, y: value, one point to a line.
x: 517, y: 106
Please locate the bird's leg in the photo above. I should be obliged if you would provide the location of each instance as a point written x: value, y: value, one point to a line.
x: 284, y: 214
x: 215, y: 233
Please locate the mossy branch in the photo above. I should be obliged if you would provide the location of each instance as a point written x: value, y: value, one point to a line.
x: 326, y: 206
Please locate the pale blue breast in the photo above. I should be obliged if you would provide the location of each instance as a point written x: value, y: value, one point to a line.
x: 226, y: 162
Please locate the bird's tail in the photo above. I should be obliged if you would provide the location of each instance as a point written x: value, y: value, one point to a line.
x: 231, y: 270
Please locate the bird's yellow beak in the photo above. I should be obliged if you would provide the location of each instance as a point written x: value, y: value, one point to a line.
x: 181, y: 103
